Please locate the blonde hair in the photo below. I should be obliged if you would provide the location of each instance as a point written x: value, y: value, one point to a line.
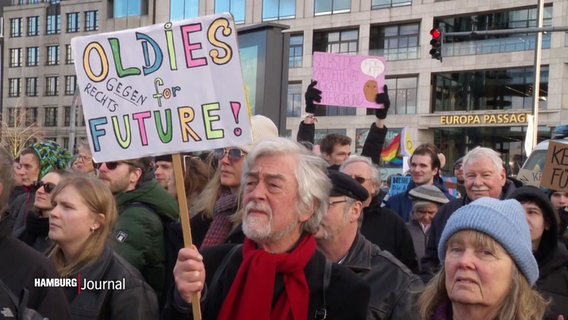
x: 521, y: 303
x: 98, y: 198
x: 205, y: 203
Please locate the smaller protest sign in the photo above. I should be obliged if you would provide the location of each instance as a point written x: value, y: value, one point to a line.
x: 555, y: 173
x: 530, y: 177
x: 349, y: 80
x: 398, y: 184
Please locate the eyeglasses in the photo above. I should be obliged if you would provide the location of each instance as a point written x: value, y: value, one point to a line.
x: 111, y: 165
x: 47, y: 186
x: 333, y: 203
x: 234, y: 154
x: 361, y: 180
x: 84, y: 158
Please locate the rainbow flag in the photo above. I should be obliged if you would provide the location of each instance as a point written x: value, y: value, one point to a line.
x: 390, y: 155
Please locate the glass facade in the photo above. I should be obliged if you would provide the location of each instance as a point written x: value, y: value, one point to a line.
x: 395, y: 42
x: 296, y: 54
x: 331, y: 6
x: 278, y: 9
x: 183, y: 9
x: 235, y: 7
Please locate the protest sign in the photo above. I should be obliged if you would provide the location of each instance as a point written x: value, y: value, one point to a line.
x: 162, y: 89
x: 398, y: 184
x: 349, y: 80
x: 530, y: 177
x: 555, y: 173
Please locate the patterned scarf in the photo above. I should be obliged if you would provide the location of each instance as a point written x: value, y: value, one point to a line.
x: 221, y: 225
x: 252, y: 291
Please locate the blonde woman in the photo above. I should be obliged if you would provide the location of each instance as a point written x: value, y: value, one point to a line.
x: 488, y: 267
x: 102, y: 284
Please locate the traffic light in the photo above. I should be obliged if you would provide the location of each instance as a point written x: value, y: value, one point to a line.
x: 436, y: 42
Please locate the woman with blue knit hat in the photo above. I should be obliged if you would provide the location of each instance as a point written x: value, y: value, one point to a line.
x: 551, y: 255
x: 488, y: 267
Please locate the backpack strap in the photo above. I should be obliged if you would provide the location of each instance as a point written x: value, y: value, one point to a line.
x: 7, y: 292
x: 321, y: 313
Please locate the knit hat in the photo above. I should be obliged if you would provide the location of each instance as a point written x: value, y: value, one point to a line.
x: 502, y: 220
x: 429, y: 193
x: 51, y: 156
x: 262, y: 128
x: 344, y: 185
x: 164, y: 157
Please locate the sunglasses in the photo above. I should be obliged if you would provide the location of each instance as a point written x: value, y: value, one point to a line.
x: 47, y: 186
x: 234, y: 154
x: 111, y: 165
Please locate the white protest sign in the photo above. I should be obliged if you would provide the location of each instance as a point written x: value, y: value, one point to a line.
x: 162, y: 89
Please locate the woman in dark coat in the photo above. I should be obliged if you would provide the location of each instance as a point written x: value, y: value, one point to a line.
x: 552, y: 256
x: 102, y: 285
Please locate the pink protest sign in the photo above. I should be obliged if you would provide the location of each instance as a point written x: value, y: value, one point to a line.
x: 349, y: 80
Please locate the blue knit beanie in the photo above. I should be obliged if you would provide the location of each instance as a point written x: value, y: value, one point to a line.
x: 502, y: 220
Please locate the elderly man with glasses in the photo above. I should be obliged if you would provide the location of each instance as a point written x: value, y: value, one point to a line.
x: 381, y: 226
x: 143, y: 205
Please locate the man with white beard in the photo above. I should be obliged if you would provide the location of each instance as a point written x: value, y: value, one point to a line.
x: 484, y: 176
x: 277, y: 272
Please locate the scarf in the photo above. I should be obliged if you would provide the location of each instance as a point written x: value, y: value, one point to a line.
x: 252, y: 292
x: 221, y: 224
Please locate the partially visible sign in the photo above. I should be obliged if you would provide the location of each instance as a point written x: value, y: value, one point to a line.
x: 489, y: 118
x: 349, y: 80
x: 398, y: 184
x: 530, y: 177
x: 555, y: 173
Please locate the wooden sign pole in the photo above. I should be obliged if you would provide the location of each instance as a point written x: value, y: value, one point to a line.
x: 185, y: 227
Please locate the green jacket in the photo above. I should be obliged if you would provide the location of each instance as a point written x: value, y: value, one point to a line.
x: 138, y: 235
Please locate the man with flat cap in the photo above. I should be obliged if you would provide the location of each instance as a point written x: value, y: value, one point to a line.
x: 394, y: 287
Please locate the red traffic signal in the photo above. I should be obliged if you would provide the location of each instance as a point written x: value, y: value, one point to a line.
x: 436, y: 43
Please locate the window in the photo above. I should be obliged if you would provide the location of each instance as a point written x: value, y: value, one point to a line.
x: 51, y: 85
x: 73, y: 22
x: 294, y: 108
x: 380, y: 4
x: 296, y: 54
x: 52, y: 55
x: 343, y: 41
x: 31, y: 116
x: 183, y: 9
x: 33, y: 26
x: 66, y: 116
x: 236, y: 7
x: 70, y: 82
x: 68, y: 54
x: 12, y: 116
x: 403, y: 94
x: 127, y: 8
x: 14, y: 87
x: 31, y: 87
x: 396, y: 42
x: 53, y: 24
x: 15, y: 27
x: 331, y: 6
x: 278, y: 9
x: 32, y: 56
x: 91, y: 20
x: 16, y: 57
x: 50, y: 119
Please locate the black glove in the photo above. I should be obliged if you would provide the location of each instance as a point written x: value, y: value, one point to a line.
x: 383, y: 98
x: 312, y: 94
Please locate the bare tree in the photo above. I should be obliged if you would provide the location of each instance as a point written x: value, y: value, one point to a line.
x: 19, y: 131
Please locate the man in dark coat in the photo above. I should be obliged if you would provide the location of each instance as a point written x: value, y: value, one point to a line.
x: 485, y: 176
x: 551, y: 256
x: 22, y: 265
x: 394, y: 287
x: 277, y: 273
x: 381, y: 226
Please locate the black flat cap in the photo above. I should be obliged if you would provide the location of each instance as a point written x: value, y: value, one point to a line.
x: 165, y: 157
x: 344, y: 185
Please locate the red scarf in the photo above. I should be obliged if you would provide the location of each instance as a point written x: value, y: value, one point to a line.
x: 252, y: 291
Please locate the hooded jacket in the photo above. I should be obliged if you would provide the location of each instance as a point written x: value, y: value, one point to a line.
x: 552, y: 256
x: 138, y: 235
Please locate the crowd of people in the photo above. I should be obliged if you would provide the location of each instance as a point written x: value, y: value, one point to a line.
x: 280, y: 232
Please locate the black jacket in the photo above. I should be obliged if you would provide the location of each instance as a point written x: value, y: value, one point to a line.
x: 387, y: 230
x: 19, y: 268
x: 394, y: 288
x: 430, y: 262
x: 553, y: 281
x: 346, y: 298
x: 137, y: 300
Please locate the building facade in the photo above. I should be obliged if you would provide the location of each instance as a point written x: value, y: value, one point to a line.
x: 481, y: 94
